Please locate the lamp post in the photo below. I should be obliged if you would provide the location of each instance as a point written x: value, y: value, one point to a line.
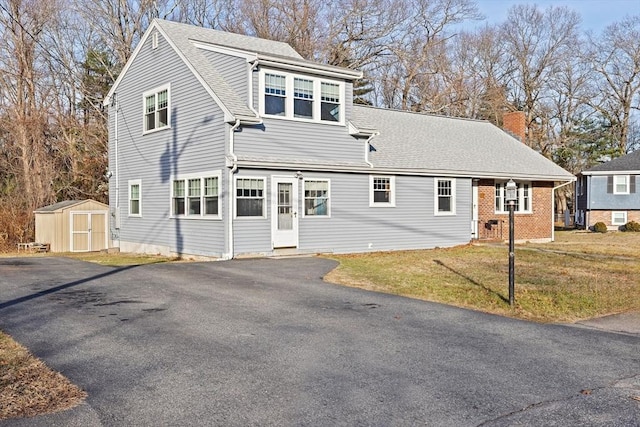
x: 511, y: 197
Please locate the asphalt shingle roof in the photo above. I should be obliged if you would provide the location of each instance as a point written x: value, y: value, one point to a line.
x: 629, y: 162
x: 438, y: 144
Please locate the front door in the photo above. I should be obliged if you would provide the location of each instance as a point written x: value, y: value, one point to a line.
x: 284, y: 212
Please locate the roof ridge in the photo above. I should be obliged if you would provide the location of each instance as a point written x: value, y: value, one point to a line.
x: 421, y: 113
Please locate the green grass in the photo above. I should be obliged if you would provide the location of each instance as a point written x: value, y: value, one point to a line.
x: 581, y: 275
x: 118, y: 259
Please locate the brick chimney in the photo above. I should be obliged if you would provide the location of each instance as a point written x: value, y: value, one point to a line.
x: 514, y: 123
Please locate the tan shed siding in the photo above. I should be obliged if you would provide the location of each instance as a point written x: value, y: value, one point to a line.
x: 46, y: 230
x: 535, y: 225
x: 194, y: 143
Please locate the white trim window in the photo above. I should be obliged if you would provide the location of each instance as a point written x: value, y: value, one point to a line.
x: 135, y: 197
x: 445, y: 196
x: 317, y: 198
x: 302, y: 98
x: 621, y: 184
x: 523, y: 203
x: 275, y: 95
x: 250, y: 197
x: 156, y: 109
x: 330, y: 105
x: 196, y: 195
x: 295, y: 96
x: 618, y: 218
x: 382, y: 191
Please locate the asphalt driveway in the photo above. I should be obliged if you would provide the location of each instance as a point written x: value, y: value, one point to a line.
x: 268, y: 343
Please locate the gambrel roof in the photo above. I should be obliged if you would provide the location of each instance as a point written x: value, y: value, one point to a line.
x: 627, y: 163
x: 450, y: 146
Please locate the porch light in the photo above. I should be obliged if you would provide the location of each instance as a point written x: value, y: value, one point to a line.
x: 511, y: 196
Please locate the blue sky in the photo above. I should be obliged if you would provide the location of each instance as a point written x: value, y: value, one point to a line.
x: 596, y: 14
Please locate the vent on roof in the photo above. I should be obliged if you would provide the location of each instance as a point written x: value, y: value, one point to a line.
x: 154, y: 40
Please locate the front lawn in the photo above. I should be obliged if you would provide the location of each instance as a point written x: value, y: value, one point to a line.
x: 580, y: 275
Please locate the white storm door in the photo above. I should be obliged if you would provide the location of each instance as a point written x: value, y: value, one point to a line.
x: 284, y: 212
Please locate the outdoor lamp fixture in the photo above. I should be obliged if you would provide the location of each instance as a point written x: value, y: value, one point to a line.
x: 511, y: 195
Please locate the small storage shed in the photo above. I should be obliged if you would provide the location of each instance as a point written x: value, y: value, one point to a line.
x: 73, y: 226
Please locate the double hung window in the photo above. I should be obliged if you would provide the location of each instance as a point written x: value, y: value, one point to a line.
x: 330, y: 96
x: 445, y: 191
x: 274, y: 95
x: 620, y: 184
x: 156, y: 109
x: 302, y: 98
x: 196, y: 195
x: 381, y: 191
x: 135, y: 198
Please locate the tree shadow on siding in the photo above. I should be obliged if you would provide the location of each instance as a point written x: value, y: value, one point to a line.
x: 169, y: 168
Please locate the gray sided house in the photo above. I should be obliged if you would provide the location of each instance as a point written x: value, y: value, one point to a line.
x: 226, y: 145
x: 607, y: 193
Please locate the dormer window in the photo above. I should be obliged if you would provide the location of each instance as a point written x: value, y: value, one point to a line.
x: 330, y: 96
x: 274, y: 94
x: 299, y: 97
x: 303, y: 98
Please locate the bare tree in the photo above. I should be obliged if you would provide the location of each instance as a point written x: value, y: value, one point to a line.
x: 615, y: 56
x: 538, y: 41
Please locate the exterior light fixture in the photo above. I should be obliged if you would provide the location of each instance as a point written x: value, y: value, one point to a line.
x: 511, y: 195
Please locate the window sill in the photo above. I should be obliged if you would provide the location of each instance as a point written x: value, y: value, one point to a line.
x: 515, y: 212
x: 196, y: 217
x: 444, y: 214
x: 148, y: 132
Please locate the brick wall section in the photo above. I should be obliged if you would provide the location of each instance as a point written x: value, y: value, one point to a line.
x: 515, y: 123
x: 533, y: 226
x: 605, y: 216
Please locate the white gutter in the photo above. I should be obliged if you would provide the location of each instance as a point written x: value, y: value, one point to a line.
x: 232, y: 171
x: 367, y: 148
x: 553, y: 208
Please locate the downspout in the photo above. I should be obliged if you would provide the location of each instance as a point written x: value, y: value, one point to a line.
x: 553, y: 209
x: 366, y: 148
x: 114, y: 103
x: 232, y: 171
x: 252, y: 68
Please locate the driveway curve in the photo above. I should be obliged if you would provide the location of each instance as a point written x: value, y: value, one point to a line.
x: 267, y: 343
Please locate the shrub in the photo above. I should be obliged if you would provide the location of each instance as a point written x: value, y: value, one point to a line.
x: 632, y: 226
x: 600, y: 227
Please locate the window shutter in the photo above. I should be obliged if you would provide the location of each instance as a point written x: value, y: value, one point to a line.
x: 610, y: 184
x: 632, y: 184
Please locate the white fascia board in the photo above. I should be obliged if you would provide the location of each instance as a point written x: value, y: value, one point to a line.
x: 637, y: 172
x: 310, y: 68
x: 249, y: 56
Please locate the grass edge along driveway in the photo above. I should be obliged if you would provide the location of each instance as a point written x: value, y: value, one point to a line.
x: 581, y: 275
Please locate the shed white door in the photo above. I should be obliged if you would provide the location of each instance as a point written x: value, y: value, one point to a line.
x: 88, y: 231
x: 284, y: 212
